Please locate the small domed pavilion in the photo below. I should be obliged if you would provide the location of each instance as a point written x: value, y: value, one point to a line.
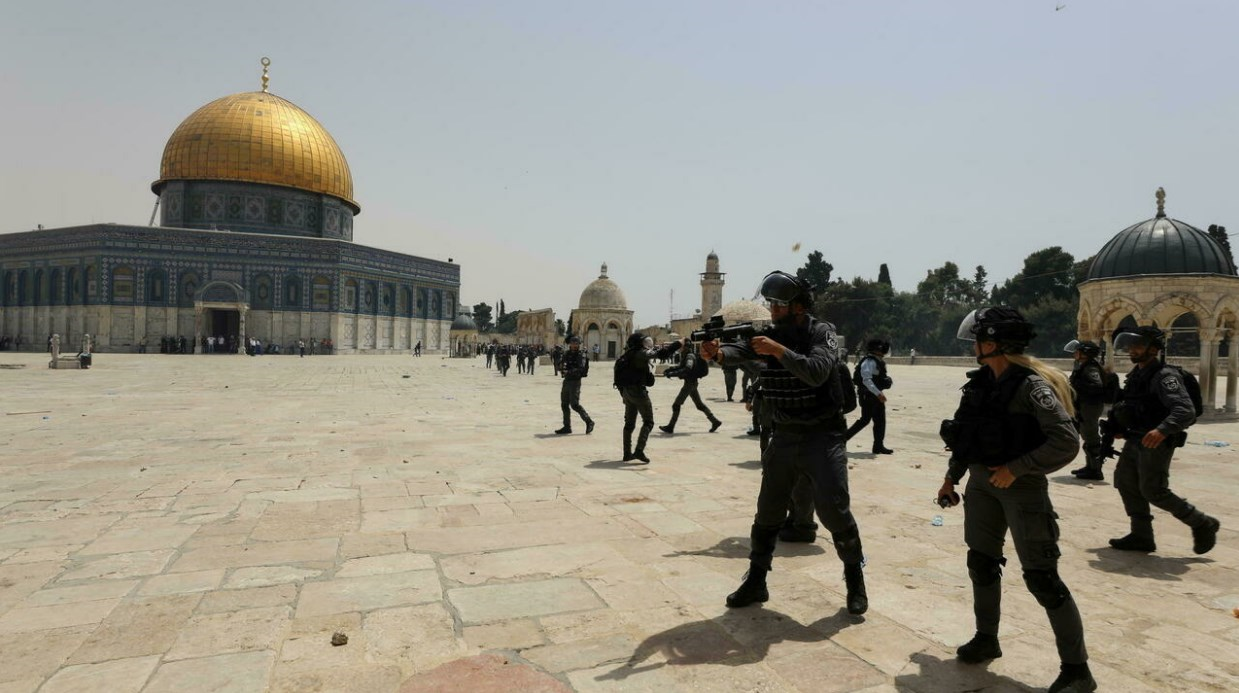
x: 602, y: 317
x: 1167, y: 273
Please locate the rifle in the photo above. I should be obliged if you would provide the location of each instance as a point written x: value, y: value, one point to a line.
x: 717, y: 328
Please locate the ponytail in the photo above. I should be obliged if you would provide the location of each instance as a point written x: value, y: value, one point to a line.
x: 1057, y: 381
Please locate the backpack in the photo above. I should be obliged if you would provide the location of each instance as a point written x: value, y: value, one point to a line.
x: 845, y: 387
x: 701, y: 367
x: 1192, y: 385
x: 626, y: 375
x: 1111, y: 387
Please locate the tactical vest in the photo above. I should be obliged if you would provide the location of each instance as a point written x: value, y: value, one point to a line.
x: 790, y: 399
x: 984, y: 430
x: 1140, y: 408
x: 881, y: 380
x: 1087, y: 391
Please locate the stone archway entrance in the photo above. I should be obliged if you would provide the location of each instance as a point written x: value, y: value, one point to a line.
x: 220, y: 308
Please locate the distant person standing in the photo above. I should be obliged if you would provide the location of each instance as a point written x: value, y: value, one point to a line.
x: 417, y: 348
x: 574, y: 366
x: 597, y: 351
x: 871, y: 379
x: 632, y: 378
x: 301, y: 347
x: 912, y: 356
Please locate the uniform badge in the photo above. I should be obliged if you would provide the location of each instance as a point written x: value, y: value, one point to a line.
x: 1044, y: 397
x: 1171, y: 384
x: 831, y: 343
x: 1094, y: 376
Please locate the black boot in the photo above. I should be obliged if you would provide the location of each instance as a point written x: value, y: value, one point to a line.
x: 667, y: 429
x: 1089, y: 474
x: 752, y: 590
x: 980, y: 648
x: 1204, y: 533
x: 589, y: 426
x: 1074, y: 678
x: 1140, y: 538
x: 714, y: 424
x: 858, y: 599
x: 882, y: 450
x: 563, y: 431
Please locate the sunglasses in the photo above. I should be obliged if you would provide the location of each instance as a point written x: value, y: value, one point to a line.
x: 776, y: 302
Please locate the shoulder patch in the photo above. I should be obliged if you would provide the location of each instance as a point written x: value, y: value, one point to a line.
x: 1094, y: 375
x: 831, y: 343
x: 1043, y: 395
x: 1171, y: 383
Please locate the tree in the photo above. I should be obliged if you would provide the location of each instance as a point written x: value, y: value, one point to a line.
x: 502, y: 312
x: 507, y: 321
x: 1218, y: 233
x: 1047, y: 273
x: 980, y: 281
x: 482, y: 316
x: 816, y: 271
x: 560, y: 328
x: 884, y: 275
x: 944, y: 287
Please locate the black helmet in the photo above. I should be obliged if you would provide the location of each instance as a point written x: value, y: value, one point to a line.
x: 574, y: 339
x: 1125, y: 337
x: 1001, y: 324
x: 1089, y: 348
x: 881, y: 346
x: 781, y: 287
x: 636, y: 340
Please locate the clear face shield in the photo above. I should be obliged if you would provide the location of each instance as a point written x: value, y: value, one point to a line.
x: 1072, y: 347
x: 1124, y: 341
x: 968, y: 328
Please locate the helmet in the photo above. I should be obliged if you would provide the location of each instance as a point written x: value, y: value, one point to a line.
x: 574, y: 339
x: 1125, y: 338
x: 1001, y: 324
x: 781, y: 287
x: 1089, y: 348
x: 636, y: 340
x: 879, y: 345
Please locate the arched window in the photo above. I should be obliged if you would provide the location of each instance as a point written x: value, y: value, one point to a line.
x: 156, y: 287
x: 40, y: 291
x: 404, y: 302
x: 292, y: 291
x: 423, y: 302
x: 449, y: 306
x: 350, y: 295
x: 23, y: 288
x: 368, y: 298
x: 92, y: 285
x: 10, y: 288
x: 388, y: 300
x: 436, y: 308
x: 187, y: 289
x: 73, y: 293
x: 55, y: 287
x: 261, y: 295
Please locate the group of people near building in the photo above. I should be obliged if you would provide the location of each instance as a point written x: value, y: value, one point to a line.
x: 500, y: 357
x: 1018, y: 421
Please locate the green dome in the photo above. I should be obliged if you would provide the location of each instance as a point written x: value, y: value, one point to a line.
x: 1160, y: 245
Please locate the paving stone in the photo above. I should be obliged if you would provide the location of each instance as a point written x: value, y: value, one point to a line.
x: 143, y: 626
x: 111, y: 589
x: 243, y: 578
x: 245, y: 671
x: 257, y: 554
x: 503, y: 602
x: 371, y: 679
x: 505, y: 635
x: 26, y: 619
x: 581, y: 654
x: 417, y: 638
x: 181, y: 583
x: 237, y: 631
x: 484, y: 674
x: 249, y: 598
x: 38, y: 654
x: 382, y: 565
x: 361, y: 545
x: 369, y: 592
x: 116, y: 676
x: 129, y: 540
x: 121, y: 565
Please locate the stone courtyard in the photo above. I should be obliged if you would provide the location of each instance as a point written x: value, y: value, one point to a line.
x: 208, y: 523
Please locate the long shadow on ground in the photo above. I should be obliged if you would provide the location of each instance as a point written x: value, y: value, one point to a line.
x: 1143, y: 565
x: 735, y: 638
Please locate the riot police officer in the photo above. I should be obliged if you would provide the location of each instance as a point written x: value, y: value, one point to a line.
x: 871, y: 380
x: 803, y: 394
x: 692, y: 368
x: 1088, y: 381
x: 1013, y: 427
x: 573, y: 366
x: 1152, y: 415
x: 632, y: 377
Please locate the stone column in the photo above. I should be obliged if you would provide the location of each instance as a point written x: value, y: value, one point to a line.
x: 243, y: 310
x: 199, y: 313
x: 1232, y: 371
x: 1208, y: 369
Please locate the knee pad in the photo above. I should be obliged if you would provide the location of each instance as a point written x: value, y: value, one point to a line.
x: 984, y: 569
x: 1047, y: 588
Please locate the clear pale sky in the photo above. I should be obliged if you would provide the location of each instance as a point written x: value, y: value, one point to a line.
x: 532, y: 141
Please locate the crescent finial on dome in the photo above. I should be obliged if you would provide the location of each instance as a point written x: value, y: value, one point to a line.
x: 266, y: 62
x: 1161, y: 203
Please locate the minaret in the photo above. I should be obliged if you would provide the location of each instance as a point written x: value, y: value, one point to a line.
x: 711, y: 287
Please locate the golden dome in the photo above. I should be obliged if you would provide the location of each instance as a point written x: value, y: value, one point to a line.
x: 257, y: 137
